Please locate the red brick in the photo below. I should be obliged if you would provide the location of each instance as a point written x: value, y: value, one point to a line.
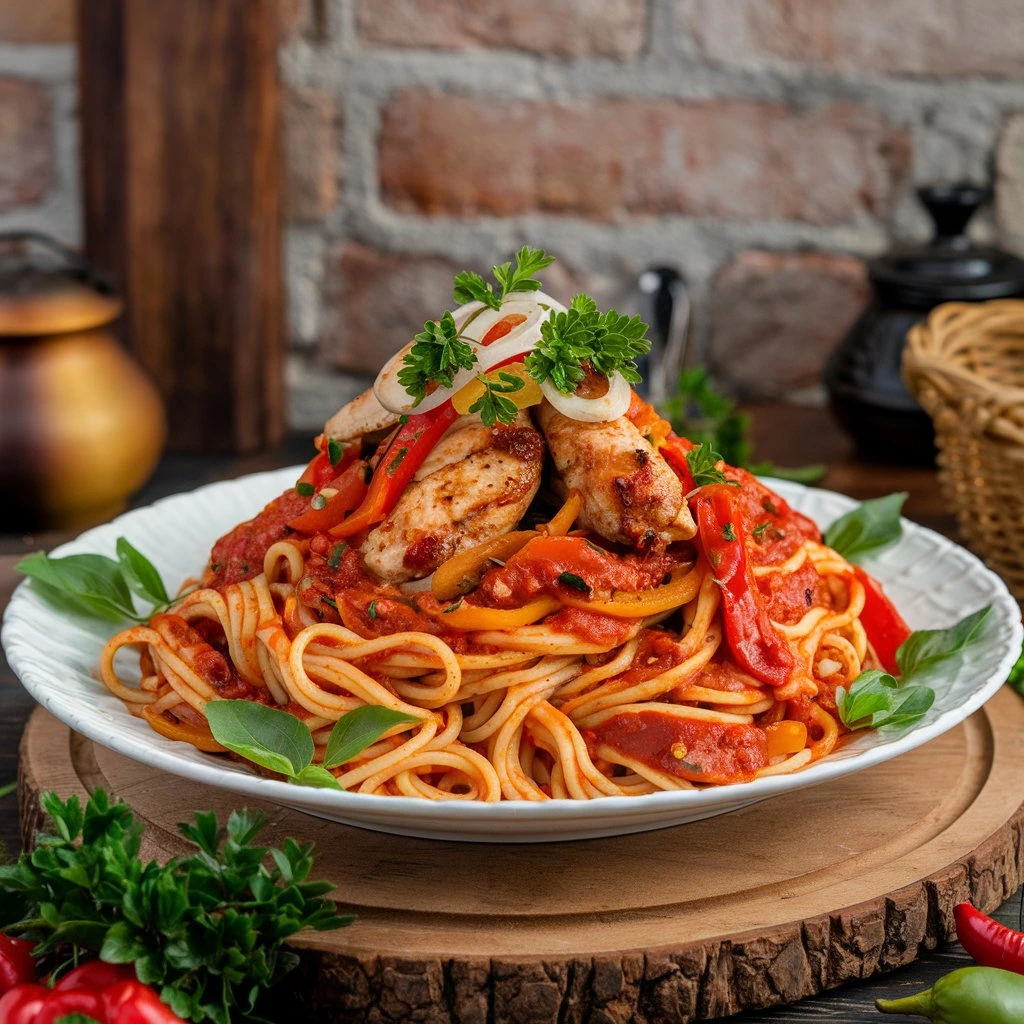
x: 374, y: 302
x: 26, y: 142
x: 776, y: 317
x: 611, y: 159
x: 931, y: 37
x: 312, y: 150
x: 567, y: 28
x: 37, y: 21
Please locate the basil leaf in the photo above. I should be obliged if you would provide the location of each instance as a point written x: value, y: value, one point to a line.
x: 926, y: 648
x: 360, y: 728
x: 876, y: 699
x: 140, y: 574
x: 86, y: 584
x: 265, y: 736
x: 869, y: 527
x: 316, y: 775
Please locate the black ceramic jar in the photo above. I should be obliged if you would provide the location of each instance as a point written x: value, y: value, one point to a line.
x: 863, y: 375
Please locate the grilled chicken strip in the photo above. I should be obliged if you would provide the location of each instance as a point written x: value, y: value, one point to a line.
x: 363, y: 415
x: 475, y: 484
x: 630, y: 494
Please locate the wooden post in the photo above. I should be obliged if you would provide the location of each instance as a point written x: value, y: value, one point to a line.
x: 182, y: 187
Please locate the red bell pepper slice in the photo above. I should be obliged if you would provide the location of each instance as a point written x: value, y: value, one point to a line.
x: 502, y: 327
x: 350, y: 489
x: 96, y: 975
x: 22, y: 1004
x: 754, y: 641
x: 131, y: 1002
x: 17, y: 965
x: 87, y: 1001
x: 412, y: 444
x: 884, y: 626
x: 321, y: 471
x: 674, y: 450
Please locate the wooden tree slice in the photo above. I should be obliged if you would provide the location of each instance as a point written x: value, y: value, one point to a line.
x: 761, y: 906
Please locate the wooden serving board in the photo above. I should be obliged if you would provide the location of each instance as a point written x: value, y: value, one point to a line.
x: 764, y: 905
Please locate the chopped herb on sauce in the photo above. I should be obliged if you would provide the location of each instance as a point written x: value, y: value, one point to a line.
x: 769, y: 506
x: 335, y: 450
x: 570, y: 579
x: 330, y: 601
x: 728, y: 532
x: 758, y: 531
x: 371, y: 609
x: 305, y: 489
x: 336, y: 552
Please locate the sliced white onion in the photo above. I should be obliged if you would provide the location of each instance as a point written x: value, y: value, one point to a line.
x: 474, y: 320
x: 609, y: 406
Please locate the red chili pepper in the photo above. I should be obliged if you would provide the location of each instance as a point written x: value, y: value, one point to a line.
x: 321, y: 471
x: 17, y: 964
x: 96, y: 974
x: 990, y: 943
x: 131, y: 1002
x: 22, y: 1004
x: 674, y: 450
x: 412, y: 444
x: 753, y: 640
x: 79, y: 1000
x: 350, y: 490
x: 884, y: 626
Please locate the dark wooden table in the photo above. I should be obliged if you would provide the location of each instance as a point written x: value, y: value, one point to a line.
x: 789, y: 435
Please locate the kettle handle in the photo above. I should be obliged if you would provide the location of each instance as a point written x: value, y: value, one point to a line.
x: 79, y: 265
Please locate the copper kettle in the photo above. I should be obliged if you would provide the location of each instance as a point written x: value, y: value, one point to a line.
x: 81, y: 427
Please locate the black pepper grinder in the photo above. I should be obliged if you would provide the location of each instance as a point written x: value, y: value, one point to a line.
x: 863, y: 377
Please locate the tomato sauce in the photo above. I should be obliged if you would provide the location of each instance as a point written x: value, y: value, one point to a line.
x: 688, y: 748
x: 789, y: 596
x: 238, y: 555
x: 590, y: 627
x: 571, y: 566
x: 657, y: 653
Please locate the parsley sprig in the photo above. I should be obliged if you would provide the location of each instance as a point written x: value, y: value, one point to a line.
x: 437, y: 354
x: 470, y: 287
x: 207, y: 930
x: 583, y: 336
x: 703, y: 462
x: 492, y: 406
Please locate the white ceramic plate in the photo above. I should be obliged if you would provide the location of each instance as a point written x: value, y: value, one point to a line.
x: 931, y: 580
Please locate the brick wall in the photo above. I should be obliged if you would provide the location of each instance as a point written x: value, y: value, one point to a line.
x: 762, y: 146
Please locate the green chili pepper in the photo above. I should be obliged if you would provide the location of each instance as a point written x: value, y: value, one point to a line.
x: 971, y: 995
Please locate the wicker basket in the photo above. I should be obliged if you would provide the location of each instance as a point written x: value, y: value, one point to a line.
x: 965, y: 365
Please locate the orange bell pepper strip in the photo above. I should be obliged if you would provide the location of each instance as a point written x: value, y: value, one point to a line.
x: 341, y: 496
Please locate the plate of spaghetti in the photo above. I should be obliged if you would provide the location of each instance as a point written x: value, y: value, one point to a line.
x: 505, y: 602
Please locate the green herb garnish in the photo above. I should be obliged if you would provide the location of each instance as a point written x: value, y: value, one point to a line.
x: 97, y: 586
x: 728, y: 532
x: 608, y: 343
x: 878, y: 698
x: 371, y: 609
x: 492, y: 406
x: 703, y: 462
x: 437, y: 354
x: 206, y: 930
x: 305, y: 489
x: 868, y: 528
x: 758, y: 531
x: 281, y: 743
x: 471, y: 287
x: 335, y: 450
x: 570, y: 579
x: 336, y: 552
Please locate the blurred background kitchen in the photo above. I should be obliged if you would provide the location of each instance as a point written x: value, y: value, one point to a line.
x: 762, y: 147
x: 278, y: 192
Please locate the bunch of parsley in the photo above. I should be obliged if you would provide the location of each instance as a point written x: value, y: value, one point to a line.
x: 206, y: 930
